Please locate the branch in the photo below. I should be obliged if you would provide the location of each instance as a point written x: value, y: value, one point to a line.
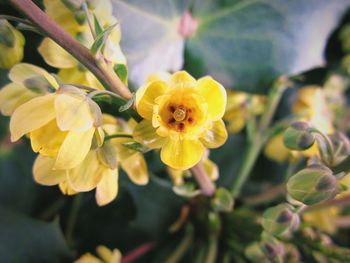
x: 201, y: 177
x: 66, y: 41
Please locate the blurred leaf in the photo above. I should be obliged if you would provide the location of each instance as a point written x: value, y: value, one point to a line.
x: 122, y: 72
x: 101, y: 39
x: 222, y: 201
x: 24, y: 239
x: 128, y: 104
x: 150, y: 35
x: 157, y: 206
x: 242, y: 44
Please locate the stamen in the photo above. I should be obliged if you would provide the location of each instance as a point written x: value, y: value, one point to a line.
x: 181, y: 126
x: 179, y: 114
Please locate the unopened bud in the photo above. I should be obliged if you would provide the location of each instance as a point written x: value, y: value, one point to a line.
x: 280, y: 220
x: 272, y: 247
x: 312, y: 185
x: 11, y: 45
x: 297, y: 137
x: 73, y: 5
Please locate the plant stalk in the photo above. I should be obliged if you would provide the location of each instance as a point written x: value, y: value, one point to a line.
x: 67, y: 42
x: 203, y: 180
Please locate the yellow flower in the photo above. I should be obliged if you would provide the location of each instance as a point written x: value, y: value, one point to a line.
x: 310, y: 105
x: 211, y: 168
x: 240, y: 107
x: 11, y: 45
x: 60, y: 124
x: 71, y: 71
x: 28, y: 81
x: 182, y: 116
x: 99, y: 169
x: 105, y: 255
x: 324, y: 219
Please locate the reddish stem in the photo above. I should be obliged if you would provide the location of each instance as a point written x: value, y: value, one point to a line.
x: 137, y: 252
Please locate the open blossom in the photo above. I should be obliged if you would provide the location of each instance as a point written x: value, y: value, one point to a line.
x: 100, y: 168
x: 182, y: 116
x: 60, y: 124
x: 71, y: 71
x: 27, y: 82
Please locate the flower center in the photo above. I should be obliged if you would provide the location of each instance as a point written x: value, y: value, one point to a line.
x: 179, y: 114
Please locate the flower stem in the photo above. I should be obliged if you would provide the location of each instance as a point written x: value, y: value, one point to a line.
x: 72, y: 217
x: 256, y: 145
x: 204, y: 182
x: 72, y: 46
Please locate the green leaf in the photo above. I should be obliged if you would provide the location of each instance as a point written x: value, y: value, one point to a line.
x: 136, y: 147
x: 187, y: 190
x: 122, y: 71
x: 243, y: 44
x: 127, y: 105
x: 157, y: 207
x: 24, y: 239
x: 98, y: 27
x: 101, y: 39
x: 222, y: 200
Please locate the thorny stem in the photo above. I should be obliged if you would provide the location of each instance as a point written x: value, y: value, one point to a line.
x: 200, y: 175
x: 256, y: 145
x: 66, y: 41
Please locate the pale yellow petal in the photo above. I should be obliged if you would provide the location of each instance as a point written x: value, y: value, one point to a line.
x: 23, y: 71
x: 107, y: 188
x: 43, y: 173
x: 74, y: 149
x: 56, y: 56
x: 104, y: 253
x: 66, y: 189
x: 275, y: 149
x: 215, y: 96
x: 88, y: 258
x: 182, y: 154
x: 182, y: 79
x: 144, y: 133
x: 32, y: 115
x: 136, y: 168
x: 87, y: 175
x: 12, y: 96
x: 216, y: 136
x: 48, y: 139
x: 73, y: 112
x: 146, y: 95
x: 212, y: 169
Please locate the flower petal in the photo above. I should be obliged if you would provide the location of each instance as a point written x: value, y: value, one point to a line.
x: 107, y: 188
x: 212, y: 169
x: 146, y: 95
x: 73, y: 112
x: 12, y: 96
x: 136, y: 168
x: 23, y: 71
x: 182, y: 154
x: 32, y: 115
x: 66, y: 189
x: 43, y: 173
x: 215, y: 96
x: 48, y: 139
x: 181, y: 79
x: 87, y: 175
x: 74, y: 149
x: 145, y: 133
x: 275, y: 149
x: 56, y: 56
x: 216, y: 136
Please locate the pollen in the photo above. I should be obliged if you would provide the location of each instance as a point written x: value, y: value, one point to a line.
x: 179, y: 114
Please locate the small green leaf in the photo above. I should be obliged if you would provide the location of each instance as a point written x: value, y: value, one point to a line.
x: 136, y: 147
x: 101, y: 39
x: 128, y: 104
x: 98, y: 27
x: 122, y: 71
x: 187, y: 190
x: 222, y: 201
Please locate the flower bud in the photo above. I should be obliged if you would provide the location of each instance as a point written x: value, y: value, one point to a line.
x: 255, y: 253
x: 272, y: 247
x: 312, y: 185
x: 297, y: 137
x: 73, y: 5
x: 11, y: 45
x: 280, y: 220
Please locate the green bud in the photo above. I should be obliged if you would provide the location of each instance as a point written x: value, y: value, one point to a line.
x: 272, y: 247
x: 37, y: 84
x: 187, y: 190
x: 312, y: 185
x: 80, y: 17
x: 222, y: 200
x: 73, y: 5
x: 11, y: 45
x: 297, y: 136
x: 255, y: 253
x: 280, y: 220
